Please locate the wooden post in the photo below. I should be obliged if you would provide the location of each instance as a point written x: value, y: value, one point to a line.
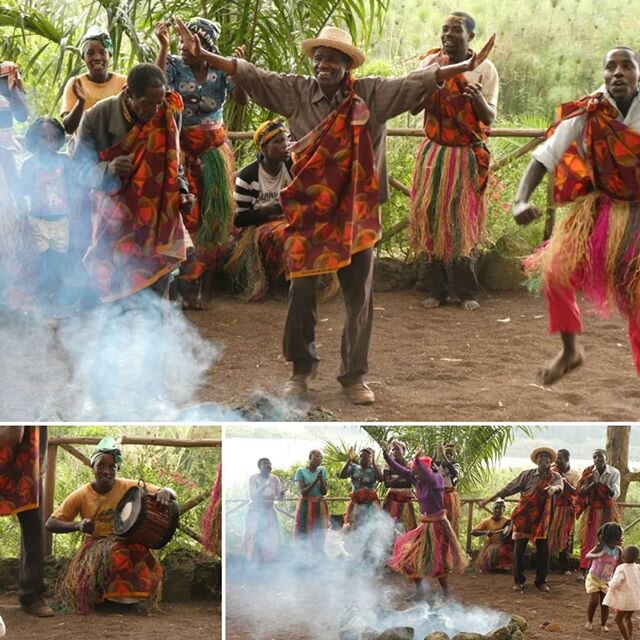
x: 469, y: 524
x: 50, y: 491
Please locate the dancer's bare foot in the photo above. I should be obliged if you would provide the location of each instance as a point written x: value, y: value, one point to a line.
x: 564, y: 362
x: 470, y: 305
x: 431, y: 303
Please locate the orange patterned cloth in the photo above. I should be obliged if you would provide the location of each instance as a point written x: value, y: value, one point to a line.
x: 448, y: 194
x: 138, y: 233
x: 332, y: 203
x: 20, y: 473
x: 449, y: 119
x: 532, y: 514
x: 612, y: 160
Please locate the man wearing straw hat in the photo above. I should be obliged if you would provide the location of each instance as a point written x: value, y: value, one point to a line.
x: 532, y: 514
x: 340, y: 180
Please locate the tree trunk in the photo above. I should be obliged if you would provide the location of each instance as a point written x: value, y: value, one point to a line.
x: 618, y: 457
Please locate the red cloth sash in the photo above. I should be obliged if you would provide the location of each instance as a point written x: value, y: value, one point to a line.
x: 138, y: 233
x: 449, y: 119
x: 399, y: 496
x: 20, y: 473
x: 564, y: 498
x: 597, y: 498
x: 532, y: 514
x: 332, y: 203
x: 612, y: 159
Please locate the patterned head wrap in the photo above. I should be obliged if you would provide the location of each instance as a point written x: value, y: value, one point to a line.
x: 268, y: 130
x: 208, y: 32
x: 107, y: 446
x: 499, y: 501
x: 98, y: 34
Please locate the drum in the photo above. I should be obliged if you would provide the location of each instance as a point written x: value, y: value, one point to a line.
x: 140, y: 518
x: 507, y: 531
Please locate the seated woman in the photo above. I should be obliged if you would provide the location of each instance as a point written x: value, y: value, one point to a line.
x: 105, y: 567
x: 497, y: 551
x: 257, y: 258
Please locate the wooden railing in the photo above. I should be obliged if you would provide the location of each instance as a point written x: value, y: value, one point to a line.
x: 67, y: 444
x: 468, y: 503
x: 536, y: 137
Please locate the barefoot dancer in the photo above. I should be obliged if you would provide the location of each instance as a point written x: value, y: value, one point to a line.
x: 432, y: 549
x: 127, y: 147
x: 398, y: 502
x: 339, y: 123
x: 595, y: 152
x: 207, y: 154
x: 447, y: 214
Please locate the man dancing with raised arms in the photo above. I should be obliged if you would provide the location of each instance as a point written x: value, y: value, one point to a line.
x: 532, y: 514
x: 595, y: 152
x: 339, y: 181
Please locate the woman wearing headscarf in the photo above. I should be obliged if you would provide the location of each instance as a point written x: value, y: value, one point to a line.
x: 106, y: 567
x: 257, y: 258
x: 431, y: 550
x: 82, y: 91
x: 398, y: 502
x: 208, y: 158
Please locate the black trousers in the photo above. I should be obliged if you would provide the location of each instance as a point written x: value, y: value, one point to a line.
x: 462, y: 281
x: 542, y: 561
x: 356, y: 282
x: 31, y: 572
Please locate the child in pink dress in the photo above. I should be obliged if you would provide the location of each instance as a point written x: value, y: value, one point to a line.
x: 624, y: 591
x: 604, y: 557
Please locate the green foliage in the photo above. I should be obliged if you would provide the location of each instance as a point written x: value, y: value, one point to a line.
x: 189, y: 471
x: 42, y: 36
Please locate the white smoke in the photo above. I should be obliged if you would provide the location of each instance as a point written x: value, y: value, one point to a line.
x: 136, y: 359
x: 337, y: 596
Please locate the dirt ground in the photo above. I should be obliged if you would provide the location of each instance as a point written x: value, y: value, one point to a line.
x: 564, y: 605
x: 194, y: 620
x: 439, y: 365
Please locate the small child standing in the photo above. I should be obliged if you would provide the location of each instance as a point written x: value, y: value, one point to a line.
x: 624, y: 591
x: 45, y: 179
x: 604, y: 557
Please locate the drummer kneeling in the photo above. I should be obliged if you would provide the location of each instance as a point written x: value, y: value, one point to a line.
x: 105, y: 567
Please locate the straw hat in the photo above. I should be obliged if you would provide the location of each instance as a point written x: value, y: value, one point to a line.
x: 334, y: 38
x: 536, y: 452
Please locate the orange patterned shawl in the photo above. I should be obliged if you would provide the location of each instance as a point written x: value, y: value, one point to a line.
x: 138, y: 233
x: 332, y: 203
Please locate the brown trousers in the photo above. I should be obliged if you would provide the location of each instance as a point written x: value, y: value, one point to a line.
x: 356, y: 282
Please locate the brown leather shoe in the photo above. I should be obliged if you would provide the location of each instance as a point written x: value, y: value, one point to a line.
x: 296, y: 386
x: 38, y: 608
x: 360, y: 393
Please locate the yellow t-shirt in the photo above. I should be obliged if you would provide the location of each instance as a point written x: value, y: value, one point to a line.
x: 86, y: 502
x: 93, y: 90
x: 494, y: 526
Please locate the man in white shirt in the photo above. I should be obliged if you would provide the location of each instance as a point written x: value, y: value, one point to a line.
x: 598, y: 489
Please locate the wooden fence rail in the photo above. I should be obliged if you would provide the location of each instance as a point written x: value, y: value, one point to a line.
x: 470, y: 503
x: 536, y: 137
x: 66, y: 444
